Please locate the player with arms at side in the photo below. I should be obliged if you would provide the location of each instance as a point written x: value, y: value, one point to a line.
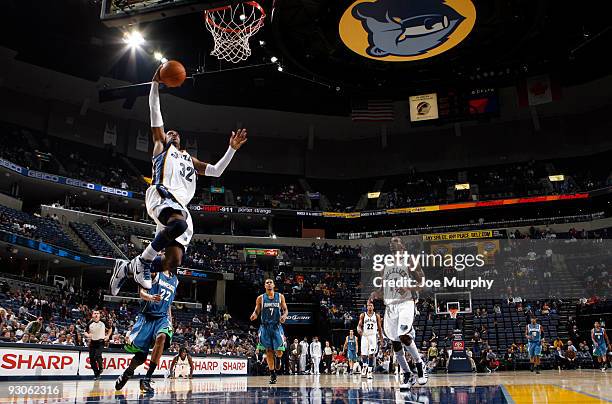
x: 274, y: 311
x: 351, y: 346
x: 370, y: 326
x: 172, y: 188
x: 182, y: 365
x: 534, y: 332
x: 153, y: 327
x: 399, y: 314
x: 600, y: 344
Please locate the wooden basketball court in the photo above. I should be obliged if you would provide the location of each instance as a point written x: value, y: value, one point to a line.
x: 579, y: 386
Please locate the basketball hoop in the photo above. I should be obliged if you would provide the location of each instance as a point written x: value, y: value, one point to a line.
x: 232, y: 26
x: 453, y: 312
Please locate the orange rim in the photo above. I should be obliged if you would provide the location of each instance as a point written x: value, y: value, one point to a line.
x: 254, y: 27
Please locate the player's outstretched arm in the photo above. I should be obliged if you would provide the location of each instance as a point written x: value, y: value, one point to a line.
x: 284, y: 309
x: 237, y: 139
x: 257, y: 309
x: 157, y: 122
x: 190, y: 366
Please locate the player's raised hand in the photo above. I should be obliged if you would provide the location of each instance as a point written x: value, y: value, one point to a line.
x: 238, y: 138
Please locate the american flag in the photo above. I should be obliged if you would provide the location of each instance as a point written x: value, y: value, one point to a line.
x: 372, y: 110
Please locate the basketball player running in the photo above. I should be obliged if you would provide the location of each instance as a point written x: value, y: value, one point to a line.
x: 182, y: 365
x: 172, y: 188
x: 399, y: 315
x: 351, y: 347
x: 534, y: 332
x: 370, y: 326
x: 273, y: 309
x: 153, y: 327
x: 600, y: 344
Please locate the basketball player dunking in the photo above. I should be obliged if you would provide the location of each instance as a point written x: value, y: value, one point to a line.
x: 273, y: 309
x: 534, y: 332
x: 399, y: 315
x: 370, y: 327
x: 172, y: 187
x: 600, y: 344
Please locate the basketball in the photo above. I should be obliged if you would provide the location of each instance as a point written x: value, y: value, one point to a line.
x: 172, y: 74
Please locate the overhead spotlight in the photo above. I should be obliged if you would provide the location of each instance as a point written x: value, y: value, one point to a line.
x: 273, y: 59
x: 158, y: 56
x: 262, y: 42
x: 133, y: 39
x: 242, y: 17
x: 279, y: 68
x: 164, y: 60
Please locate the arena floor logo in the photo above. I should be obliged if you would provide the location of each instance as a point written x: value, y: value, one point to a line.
x: 403, y: 31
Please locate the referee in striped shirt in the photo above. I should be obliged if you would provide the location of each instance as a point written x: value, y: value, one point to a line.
x: 98, y: 332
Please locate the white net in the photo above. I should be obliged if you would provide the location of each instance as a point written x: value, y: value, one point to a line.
x: 231, y: 27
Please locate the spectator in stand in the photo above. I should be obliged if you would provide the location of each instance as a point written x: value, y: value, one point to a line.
x: 492, y: 361
x: 34, y: 328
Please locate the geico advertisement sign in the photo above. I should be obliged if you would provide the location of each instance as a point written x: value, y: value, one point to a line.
x: 28, y: 362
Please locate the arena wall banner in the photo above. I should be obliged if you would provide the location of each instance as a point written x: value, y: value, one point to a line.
x: 299, y: 318
x: 58, y: 179
x: 463, y: 235
x: 44, y: 360
x: 38, y: 362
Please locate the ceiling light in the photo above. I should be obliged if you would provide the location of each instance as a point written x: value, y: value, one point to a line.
x: 134, y: 39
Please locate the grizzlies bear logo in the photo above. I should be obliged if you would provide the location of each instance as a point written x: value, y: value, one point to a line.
x: 405, y: 30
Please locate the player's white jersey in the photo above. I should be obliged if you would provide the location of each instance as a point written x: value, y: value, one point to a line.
x: 174, y: 169
x: 182, y: 367
x: 395, y: 294
x: 370, y: 324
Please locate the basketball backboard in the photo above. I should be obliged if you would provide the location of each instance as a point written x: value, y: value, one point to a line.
x: 128, y: 12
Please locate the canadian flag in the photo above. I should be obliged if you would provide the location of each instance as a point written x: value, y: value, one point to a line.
x: 538, y: 90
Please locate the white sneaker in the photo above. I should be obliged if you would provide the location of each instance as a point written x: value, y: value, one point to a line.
x: 422, y: 375
x: 142, y: 272
x: 120, y: 275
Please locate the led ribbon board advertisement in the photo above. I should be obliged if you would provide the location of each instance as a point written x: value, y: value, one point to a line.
x: 403, y: 31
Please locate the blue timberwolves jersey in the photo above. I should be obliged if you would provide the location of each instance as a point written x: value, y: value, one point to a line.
x: 534, y: 332
x: 351, y: 346
x: 598, y: 335
x: 165, y: 286
x: 270, y: 313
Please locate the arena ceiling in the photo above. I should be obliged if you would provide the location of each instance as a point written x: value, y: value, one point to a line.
x: 510, y: 39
